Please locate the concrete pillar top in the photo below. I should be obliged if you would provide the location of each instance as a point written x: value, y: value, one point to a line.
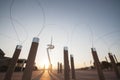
x: 94, y: 49
x: 36, y: 39
x: 109, y: 53
x: 71, y: 55
x: 19, y: 47
x: 66, y: 48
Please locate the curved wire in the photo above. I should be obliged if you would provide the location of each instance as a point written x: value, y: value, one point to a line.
x: 11, y: 20
x: 92, y: 36
x: 104, y: 35
x: 90, y: 30
x: 21, y: 25
x: 105, y: 42
x: 113, y: 44
x: 7, y: 36
x: 44, y: 17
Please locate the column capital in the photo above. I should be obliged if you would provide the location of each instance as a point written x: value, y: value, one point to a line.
x: 36, y: 39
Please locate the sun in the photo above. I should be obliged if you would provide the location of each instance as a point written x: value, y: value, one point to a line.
x: 45, y: 63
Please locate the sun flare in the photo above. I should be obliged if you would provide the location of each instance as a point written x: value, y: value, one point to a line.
x: 45, y: 63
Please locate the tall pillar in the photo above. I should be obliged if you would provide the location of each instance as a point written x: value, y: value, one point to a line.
x: 115, y: 59
x: 66, y: 65
x: 114, y: 65
x: 27, y: 74
x: 97, y: 64
x: 13, y: 62
x: 58, y: 68
x: 51, y: 67
x: 106, y: 59
x: 72, y: 67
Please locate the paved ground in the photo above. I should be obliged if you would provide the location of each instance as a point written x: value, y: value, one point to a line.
x: 45, y: 76
x: 92, y: 75
x: 80, y: 75
x: 18, y: 75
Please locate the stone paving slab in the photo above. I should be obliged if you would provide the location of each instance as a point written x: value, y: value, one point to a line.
x: 80, y: 75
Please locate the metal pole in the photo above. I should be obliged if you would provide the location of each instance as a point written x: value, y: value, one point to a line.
x: 13, y: 62
x: 97, y: 64
x: 66, y: 65
x: 27, y: 74
x: 72, y: 67
x: 114, y: 65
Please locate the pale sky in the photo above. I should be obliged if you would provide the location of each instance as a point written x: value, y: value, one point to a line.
x: 72, y: 23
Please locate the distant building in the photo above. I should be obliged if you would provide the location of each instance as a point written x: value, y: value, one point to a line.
x: 1, y: 54
x: 4, y: 63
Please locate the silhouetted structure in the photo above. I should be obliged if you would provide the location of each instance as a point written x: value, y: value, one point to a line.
x: 5, y: 62
x: 66, y: 65
x: 115, y: 59
x: 1, y: 54
x: 106, y: 59
x: 97, y: 64
x: 114, y: 65
x: 58, y: 71
x: 27, y: 74
x: 72, y: 67
x: 13, y: 62
x: 105, y: 65
x: 60, y: 67
x: 20, y: 65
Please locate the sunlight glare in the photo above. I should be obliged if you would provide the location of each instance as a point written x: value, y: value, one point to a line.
x: 45, y: 63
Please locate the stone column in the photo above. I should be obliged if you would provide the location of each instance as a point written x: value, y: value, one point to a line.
x: 72, y: 67
x: 114, y: 65
x: 66, y: 65
x: 11, y: 68
x: 106, y: 59
x: 97, y: 64
x: 27, y: 74
x: 115, y: 59
x: 58, y: 71
x: 60, y: 67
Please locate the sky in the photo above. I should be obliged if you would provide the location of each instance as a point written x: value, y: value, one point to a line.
x: 77, y: 24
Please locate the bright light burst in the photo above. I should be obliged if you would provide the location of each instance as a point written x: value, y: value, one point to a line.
x: 45, y: 63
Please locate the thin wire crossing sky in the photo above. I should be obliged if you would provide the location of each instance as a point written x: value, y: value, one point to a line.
x: 78, y: 24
